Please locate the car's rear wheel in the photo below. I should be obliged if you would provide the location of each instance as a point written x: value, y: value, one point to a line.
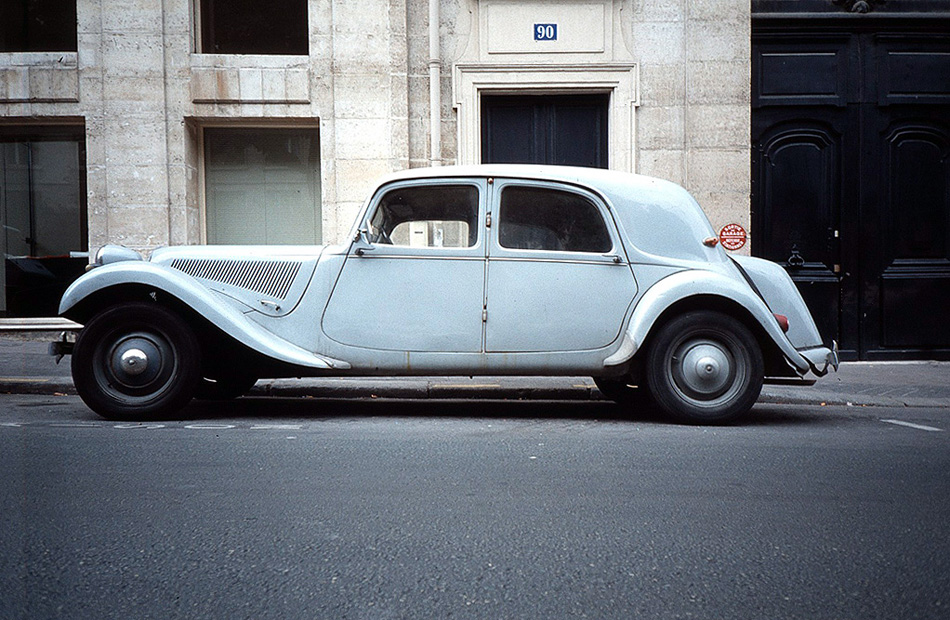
x: 136, y: 361
x: 705, y: 368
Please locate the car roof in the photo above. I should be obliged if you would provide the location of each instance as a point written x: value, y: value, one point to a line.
x: 660, y: 217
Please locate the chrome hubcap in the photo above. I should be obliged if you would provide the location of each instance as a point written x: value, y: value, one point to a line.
x: 138, y: 362
x: 134, y: 361
x: 703, y: 369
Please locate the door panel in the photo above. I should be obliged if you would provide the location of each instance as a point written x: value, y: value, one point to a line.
x: 402, y: 289
x: 914, y: 235
x: 862, y: 149
x: 406, y: 303
x: 556, y: 280
x: 568, y: 130
x: 797, y: 169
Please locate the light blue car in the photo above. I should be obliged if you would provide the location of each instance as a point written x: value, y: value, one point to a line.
x: 481, y: 270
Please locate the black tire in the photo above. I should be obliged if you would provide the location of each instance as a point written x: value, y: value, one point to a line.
x: 705, y: 368
x: 227, y: 387
x: 136, y: 361
x: 622, y: 392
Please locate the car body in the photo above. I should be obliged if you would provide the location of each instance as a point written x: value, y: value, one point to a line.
x: 476, y: 270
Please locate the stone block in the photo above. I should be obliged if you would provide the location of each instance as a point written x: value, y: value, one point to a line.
x: 659, y: 10
x: 719, y: 10
x: 137, y: 55
x: 363, y: 16
x: 89, y: 54
x: 718, y: 126
x: 250, y: 85
x: 130, y: 184
x: 134, y: 89
x: 362, y: 138
x: 362, y: 96
x: 273, y: 85
x: 718, y: 82
x: 64, y: 84
x: 15, y: 83
x: 227, y: 84
x: 718, y: 170
x: 355, y: 178
x: 659, y: 42
x: 663, y: 164
x: 662, y: 85
x: 718, y: 41
x: 661, y: 128
x: 298, y: 85
x: 142, y: 227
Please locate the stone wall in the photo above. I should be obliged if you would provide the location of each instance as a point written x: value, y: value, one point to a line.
x: 145, y: 97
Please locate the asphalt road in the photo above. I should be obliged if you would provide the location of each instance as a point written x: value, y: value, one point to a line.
x: 269, y: 508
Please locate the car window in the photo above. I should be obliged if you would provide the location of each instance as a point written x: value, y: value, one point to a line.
x: 538, y: 218
x: 442, y: 216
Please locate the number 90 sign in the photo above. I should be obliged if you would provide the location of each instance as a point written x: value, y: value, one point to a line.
x: 545, y: 32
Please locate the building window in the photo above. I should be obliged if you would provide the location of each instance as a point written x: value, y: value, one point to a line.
x: 262, y: 186
x: 253, y: 27
x: 38, y: 26
x: 43, y: 218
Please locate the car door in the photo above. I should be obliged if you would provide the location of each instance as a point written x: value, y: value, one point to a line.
x: 415, y: 281
x: 557, y: 278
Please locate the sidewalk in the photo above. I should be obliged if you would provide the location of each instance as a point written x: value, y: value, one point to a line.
x: 26, y: 368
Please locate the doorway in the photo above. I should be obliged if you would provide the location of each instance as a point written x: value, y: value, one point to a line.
x: 568, y: 130
x: 851, y: 179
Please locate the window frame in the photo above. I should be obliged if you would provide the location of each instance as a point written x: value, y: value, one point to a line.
x: 384, y: 249
x: 501, y: 251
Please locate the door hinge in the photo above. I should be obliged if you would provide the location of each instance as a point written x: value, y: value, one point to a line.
x: 488, y: 221
x: 484, y: 315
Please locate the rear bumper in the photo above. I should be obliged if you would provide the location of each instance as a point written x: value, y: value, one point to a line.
x: 821, y: 359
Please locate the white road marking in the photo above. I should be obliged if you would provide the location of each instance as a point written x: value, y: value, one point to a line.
x: 145, y: 426
x: 210, y: 427
x: 919, y: 427
x: 276, y: 427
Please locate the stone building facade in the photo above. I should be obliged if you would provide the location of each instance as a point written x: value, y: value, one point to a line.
x: 190, y: 121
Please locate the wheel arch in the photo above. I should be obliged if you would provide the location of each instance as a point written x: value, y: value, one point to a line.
x: 774, y: 358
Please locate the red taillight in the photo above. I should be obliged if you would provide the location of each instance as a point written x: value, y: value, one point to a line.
x: 782, y: 321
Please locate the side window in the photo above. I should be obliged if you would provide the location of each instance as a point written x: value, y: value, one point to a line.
x: 537, y: 218
x: 441, y: 216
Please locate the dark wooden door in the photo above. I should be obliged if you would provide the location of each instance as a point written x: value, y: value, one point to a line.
x: 568, y: 130
x: 851, y: 180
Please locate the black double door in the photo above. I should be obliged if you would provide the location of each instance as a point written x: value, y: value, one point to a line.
x: 568, y: 130
x: 851, y: 181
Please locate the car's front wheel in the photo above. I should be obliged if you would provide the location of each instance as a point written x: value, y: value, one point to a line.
x: 136, y: 361
x: 705, y: 368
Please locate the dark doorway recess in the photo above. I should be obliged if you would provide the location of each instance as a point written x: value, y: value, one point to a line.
x: 568, y: 130
x: 851, y: 175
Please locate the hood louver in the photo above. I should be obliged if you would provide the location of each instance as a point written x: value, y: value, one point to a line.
x: 267, y: 277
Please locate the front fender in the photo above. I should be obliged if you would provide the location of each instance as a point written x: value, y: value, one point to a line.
x: 691, y: 283
x: 187, y: 290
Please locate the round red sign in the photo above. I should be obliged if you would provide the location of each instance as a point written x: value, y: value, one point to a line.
x: 732, y: 236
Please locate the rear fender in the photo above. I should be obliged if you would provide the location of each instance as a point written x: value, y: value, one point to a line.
x: 684, y: 285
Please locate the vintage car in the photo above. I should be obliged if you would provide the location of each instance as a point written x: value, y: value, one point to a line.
x: 480, y: 270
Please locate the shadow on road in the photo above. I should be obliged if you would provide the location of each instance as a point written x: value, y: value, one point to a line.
x: 319, y: 408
